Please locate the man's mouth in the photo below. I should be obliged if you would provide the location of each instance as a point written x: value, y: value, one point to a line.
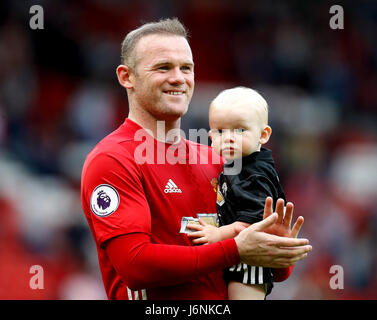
x: 175, y: 93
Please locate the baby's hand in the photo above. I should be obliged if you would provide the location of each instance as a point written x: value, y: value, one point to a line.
x: 205, y: 233
x: 282, y: 227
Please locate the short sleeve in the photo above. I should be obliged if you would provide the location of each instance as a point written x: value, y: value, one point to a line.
x: 250, y: 198
x: 113, y: 197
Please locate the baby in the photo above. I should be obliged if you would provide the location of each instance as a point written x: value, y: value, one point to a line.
x: 238, y: 120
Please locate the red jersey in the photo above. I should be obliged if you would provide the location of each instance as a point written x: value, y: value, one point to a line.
x: 139, y: 188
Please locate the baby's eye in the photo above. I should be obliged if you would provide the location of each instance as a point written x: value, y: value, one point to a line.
x: 217, y: 131
x: 239, y: 130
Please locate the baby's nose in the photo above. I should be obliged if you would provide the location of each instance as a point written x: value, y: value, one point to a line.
x: 228, y: 135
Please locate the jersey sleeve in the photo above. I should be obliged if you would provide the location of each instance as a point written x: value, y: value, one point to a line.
x: 116, y: 179
x: 142, y: 264
x: 250, y: 198
x: 282, y: 274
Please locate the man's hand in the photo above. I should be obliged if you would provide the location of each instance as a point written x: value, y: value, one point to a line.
x: 259, y: 248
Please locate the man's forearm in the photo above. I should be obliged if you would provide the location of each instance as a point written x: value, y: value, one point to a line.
x: 142, y: 264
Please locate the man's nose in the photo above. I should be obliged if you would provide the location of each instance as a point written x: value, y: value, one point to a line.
x: 176, y: 76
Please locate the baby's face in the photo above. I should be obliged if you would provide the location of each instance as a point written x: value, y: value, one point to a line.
x: 235, y: 130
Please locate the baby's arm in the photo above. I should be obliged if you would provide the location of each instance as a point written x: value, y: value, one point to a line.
x: 206, y: 233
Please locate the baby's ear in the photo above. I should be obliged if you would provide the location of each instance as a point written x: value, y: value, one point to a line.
x: 265, y: 135
x: 210, y: 134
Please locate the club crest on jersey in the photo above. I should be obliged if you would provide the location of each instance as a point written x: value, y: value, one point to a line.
x: 219, y: 197
x: 104, y: 200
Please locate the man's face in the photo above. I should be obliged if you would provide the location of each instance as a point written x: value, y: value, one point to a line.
x: 163, y: 81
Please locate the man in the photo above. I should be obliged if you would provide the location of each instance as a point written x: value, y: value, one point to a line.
x: 135, y: 198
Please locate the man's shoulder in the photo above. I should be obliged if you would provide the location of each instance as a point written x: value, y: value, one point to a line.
x: 115, y: 144
x: 206, y: 155
x: 203, y: 148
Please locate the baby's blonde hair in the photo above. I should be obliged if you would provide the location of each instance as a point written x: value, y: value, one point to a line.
x: 250, y: 96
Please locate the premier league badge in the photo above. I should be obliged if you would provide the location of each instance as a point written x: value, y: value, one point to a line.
x: 104, y: 200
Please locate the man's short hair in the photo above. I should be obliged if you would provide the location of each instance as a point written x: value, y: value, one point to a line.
x: 164, y: 26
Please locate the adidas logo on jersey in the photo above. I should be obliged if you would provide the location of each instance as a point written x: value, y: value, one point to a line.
x: 171, y: 187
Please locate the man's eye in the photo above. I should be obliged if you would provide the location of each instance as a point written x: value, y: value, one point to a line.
x: 163, y: 68
x: 186, y: 68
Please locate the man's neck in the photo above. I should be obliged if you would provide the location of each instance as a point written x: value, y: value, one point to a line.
x: 162, y: 130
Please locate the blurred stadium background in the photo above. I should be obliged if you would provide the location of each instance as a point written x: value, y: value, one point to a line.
x: 59, y: 96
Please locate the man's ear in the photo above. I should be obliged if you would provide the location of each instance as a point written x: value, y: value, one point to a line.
x: 265, y: 135
x: 125, y: 76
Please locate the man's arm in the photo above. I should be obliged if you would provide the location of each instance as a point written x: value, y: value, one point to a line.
x: 206, y: 233
x: 142, y: 264
x: 125, y: 234
x: 281, y: 274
